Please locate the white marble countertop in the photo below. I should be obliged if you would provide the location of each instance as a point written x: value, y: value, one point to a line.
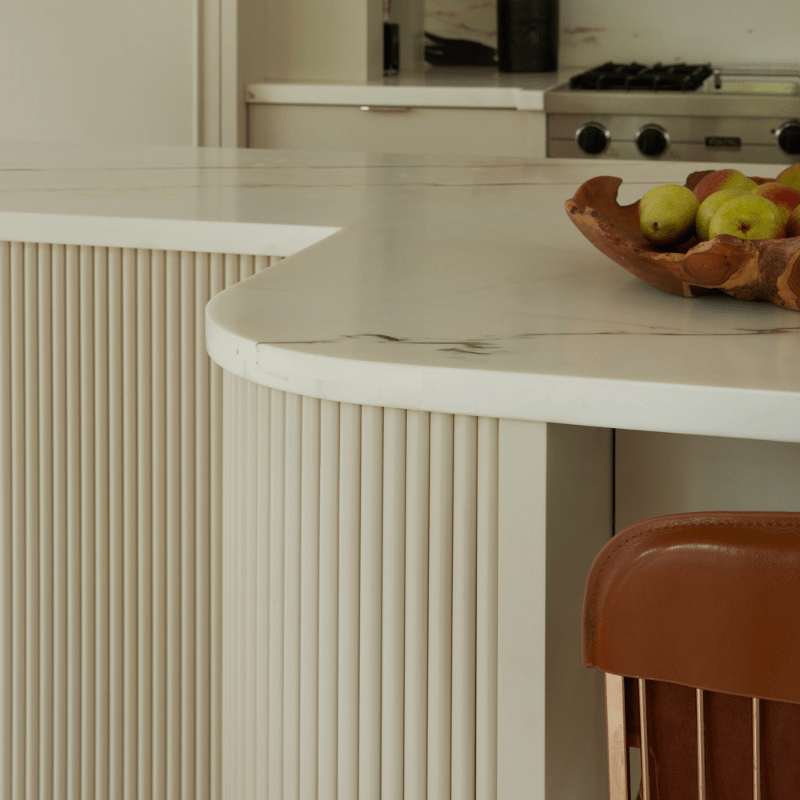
x: 447, y: 284
x: 441, y: 87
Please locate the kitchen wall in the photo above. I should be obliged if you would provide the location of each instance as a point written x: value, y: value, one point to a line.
x: 94, y: 71
x: 719, y: 31
x: 171, y: 71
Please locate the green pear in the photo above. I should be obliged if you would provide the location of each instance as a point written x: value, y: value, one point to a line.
x: 709, y: 207
x: 667, y: 214
x: 748, y: 216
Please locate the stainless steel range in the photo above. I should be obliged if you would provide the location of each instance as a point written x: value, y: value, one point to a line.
x: 677, y: 112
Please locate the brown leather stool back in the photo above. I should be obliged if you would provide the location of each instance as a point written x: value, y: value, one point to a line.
x: 701, y: 615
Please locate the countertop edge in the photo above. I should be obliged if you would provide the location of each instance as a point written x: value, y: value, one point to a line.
x: 559, y: 399
x: 213, y: 236
x: 475, y: 97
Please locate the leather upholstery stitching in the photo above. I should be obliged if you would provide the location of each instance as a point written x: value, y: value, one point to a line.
x: 729, y: 520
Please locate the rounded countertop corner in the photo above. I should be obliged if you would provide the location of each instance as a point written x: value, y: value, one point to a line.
x: 489, y: 302
x: 440, y: 283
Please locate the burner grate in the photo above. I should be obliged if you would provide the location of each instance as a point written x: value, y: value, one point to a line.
x: 633, y: 77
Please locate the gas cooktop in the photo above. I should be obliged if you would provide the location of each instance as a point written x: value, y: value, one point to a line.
x: 630, y: 77
x: 685, y: 112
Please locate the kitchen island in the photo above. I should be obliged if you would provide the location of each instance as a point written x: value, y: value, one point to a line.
x: 432, y: 461
x: 380, y: 513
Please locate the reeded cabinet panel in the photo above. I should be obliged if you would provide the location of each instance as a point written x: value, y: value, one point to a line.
x: 110, y: 521
x: 354, y: 607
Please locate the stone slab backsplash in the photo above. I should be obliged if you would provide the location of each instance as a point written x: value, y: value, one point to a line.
x: 595, y: 31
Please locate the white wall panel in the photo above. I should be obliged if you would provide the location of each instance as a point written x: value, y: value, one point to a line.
x: 86, y: 71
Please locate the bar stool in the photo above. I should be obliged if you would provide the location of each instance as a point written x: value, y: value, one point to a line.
x: 695, y: 619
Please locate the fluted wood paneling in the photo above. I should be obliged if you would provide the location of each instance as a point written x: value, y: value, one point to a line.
x: 352, y: 541
x: 393, y: 603
x: 486, y: 608
x: 7, y: 564
x: 349, y: 491
x: 440, y: 606
x: 110, y: 522
x: 415, y: 724
x: 465, y: 490
x: 328, y: 702
x: 291, y: 626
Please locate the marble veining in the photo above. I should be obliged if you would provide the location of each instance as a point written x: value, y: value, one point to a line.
x: 457, y: 19
x: 400, y: 291
x: 496, y: 346
x: 491, y: 344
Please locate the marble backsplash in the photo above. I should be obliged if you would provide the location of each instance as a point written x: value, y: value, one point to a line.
x: 475, y: 20
x: 647, y: 31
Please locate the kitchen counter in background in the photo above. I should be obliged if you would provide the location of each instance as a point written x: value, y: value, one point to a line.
x: 442, y: 87
x: 355, y: 554
x: 447, y: 110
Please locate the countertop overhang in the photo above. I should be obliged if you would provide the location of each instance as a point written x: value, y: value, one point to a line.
x: 440, y: 87
x: 447, y: 284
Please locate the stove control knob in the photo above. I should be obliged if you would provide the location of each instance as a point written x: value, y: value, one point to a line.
x: 652, y: 140
x: 788, y: 136
x: 592, y: 138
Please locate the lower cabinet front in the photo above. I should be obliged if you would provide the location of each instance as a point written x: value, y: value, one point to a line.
x: 396, y: 623
x: 387, y: 129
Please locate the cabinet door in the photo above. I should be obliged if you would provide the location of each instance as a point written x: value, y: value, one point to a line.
x: 434, y: 131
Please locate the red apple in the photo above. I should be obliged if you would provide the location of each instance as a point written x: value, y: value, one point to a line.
x: 723, y: 179
x: 793, y: 224
x: 790, y: 176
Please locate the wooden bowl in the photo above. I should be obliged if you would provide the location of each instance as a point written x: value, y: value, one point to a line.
x: 750, y: 269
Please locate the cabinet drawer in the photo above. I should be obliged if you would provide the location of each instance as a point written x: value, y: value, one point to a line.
x: 434, y: 131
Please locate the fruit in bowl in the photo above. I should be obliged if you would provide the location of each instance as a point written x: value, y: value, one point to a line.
x: 666, y: 214
x: 723, y: 179
x: 780, y: 194
x: 750, y: 208
x: 793, y: 225
x: 790, y: 176
x: 709, y: 207
x: 671, y: 214
x: 749, y: 216
x: 748, y: 268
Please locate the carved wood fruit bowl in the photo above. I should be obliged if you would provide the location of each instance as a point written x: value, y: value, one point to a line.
x: 750, y: 269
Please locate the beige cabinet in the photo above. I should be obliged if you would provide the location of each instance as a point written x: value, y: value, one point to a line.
x: 402, y: 595
x: 392, y: 129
